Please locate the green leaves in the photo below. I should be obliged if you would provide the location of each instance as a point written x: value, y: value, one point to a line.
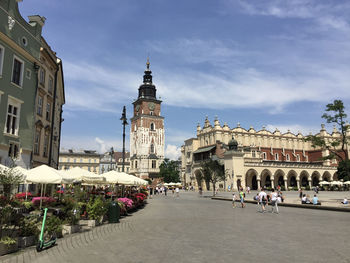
x: 169, y: 170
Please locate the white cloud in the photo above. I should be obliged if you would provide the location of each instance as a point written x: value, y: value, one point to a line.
x: 172, y: 152
x: 91, y: 143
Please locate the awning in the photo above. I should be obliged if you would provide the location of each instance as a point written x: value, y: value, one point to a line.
x: 206, y: 149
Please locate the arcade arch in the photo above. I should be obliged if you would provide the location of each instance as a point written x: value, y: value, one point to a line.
x: 326, y: 176
x: 266, y: 177
x: 279, y: 178
x: 315, y: 178
x: 292, y: 179
x: 304, y: 178
x: 252, y: 179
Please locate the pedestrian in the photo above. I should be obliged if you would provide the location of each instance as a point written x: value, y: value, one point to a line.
x: 263, y: 199
x: 274, y: 201
x: 150, y: 192
x: 248, y: 190
x: 177, y: 190
x: 233, y: 200
x: 300, y: 193
x: 216, y: 191
x: 200, y: 190
x: 165, y: 190
x: 345, y: 201
x: 241, y: 195
x: 156, y: 192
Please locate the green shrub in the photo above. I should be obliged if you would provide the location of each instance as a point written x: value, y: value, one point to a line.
x: 27, y: 204
x: 283, y: 188
x: 29, y: 226
x: 96, y: 208
x: 307, y: 187
x: 8, y: 241
x: 53, y: 225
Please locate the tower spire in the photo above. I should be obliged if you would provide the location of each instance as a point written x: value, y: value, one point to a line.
x: 147, y: 63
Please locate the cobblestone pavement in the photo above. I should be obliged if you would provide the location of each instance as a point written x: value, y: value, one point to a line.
x: 194, y: 229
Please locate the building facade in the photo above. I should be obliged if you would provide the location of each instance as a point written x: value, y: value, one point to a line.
x: 85, y: 159
x: 147, y: 130
x: 107, y: 162
x: 48, y: 113
x: 257, y: 158
x: 20, y: 44
x: 119, y: 161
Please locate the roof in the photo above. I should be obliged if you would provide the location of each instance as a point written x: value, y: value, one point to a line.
x: 206, y: 149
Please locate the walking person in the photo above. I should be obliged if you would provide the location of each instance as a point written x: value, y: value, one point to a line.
x: 241, y: 195
x: 274, y: 201
x: 263, y: 199
x: 233, y: 200
x: 150, y: 192
x: 300, y: 193
x: 177, y: 190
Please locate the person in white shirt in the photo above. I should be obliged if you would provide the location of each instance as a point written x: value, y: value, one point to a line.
x: 177, y: 190
x: 234, y: 200
x: 274, y: 201
x: 263, y: 200
x: 345, y: 201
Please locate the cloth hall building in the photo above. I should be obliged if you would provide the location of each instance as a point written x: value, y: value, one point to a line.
x: 257, y: 158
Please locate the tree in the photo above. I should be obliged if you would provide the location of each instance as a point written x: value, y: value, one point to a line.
x: 213, y: 172
x: 9, y: 178
x: 337, y: 147
x: 169, y: 170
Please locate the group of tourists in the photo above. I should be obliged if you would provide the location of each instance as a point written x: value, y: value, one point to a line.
x: 163, y: 190
x: 262, y: 199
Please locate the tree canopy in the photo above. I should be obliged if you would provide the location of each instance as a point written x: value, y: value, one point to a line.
x: 169, y: 171
x: 337, y: 147
x: 213, y: 172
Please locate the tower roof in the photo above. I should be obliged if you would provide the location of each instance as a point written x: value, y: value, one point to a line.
x: 147, y: 89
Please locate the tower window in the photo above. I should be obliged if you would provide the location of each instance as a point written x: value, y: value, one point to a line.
x: 276, y: 157
x: 154, y: 164
x: 135, y: 164
x: 151, y: 113
x: 152, y: 126
x: 152, y: 148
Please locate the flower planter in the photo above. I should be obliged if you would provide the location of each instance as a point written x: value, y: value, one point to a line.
x: 67, y: 229
x: 88, y: 223
x: 5, y: 249
x: 24, y: 242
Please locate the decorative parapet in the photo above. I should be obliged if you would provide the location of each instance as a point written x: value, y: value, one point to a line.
x: 290, y: 165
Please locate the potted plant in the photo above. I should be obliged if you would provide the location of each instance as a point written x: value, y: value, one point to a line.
x: 95, y: 210
x: 29, y: 231
x: 54, y: 226
x: 8, y: 245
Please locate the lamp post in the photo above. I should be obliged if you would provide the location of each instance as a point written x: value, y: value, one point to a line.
x: 124, y: 122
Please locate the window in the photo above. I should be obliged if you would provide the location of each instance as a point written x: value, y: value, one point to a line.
x: 127, y: 169
x: 81, y: 160
x: 13, y: 150
x: 151, y: 113
x: 298, y: 158
x: 135, y: 164
x: 74, y: 160
x: 152, y: 148
x: 39, y: 109
x: 276, y: 157
x: 89, y: 169
x: 253, y: 154
x: 89, y: 160
x: 37, y: 141
x: 46, y: 145
x: 95, y: 169
x: 50, y: 84
x: 263, y: 155
x: 12, y: 118
x: 17, y: 71
x: 2, y: 51
x: 95, y: 160
x: 119, y: 169
x: 42, y: 76
x: 154, y: 164
x: 48, y: 111
x: 287, y: 157
x: 152, y: 126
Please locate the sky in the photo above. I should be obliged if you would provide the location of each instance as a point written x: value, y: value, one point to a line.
x: 258, y: 63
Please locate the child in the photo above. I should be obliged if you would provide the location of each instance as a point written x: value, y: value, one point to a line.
x: 234, y: 200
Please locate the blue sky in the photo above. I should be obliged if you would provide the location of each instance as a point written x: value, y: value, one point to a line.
x: 261, y: 63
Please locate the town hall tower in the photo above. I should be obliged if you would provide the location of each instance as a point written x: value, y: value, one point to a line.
x: 147, y: 130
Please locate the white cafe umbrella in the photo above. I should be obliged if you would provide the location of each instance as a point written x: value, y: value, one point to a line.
x: 347, y: 182
x: 336, y: 183
x: 324, y: 183
x: 114, y: 177
x: 81, y: 175
x: 44, y: 174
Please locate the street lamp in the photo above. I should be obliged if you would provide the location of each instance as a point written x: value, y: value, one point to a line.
x: 124, y: 122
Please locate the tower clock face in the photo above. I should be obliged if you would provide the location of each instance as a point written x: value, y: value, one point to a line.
x: 151, y: 106
x: 137, y: 107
